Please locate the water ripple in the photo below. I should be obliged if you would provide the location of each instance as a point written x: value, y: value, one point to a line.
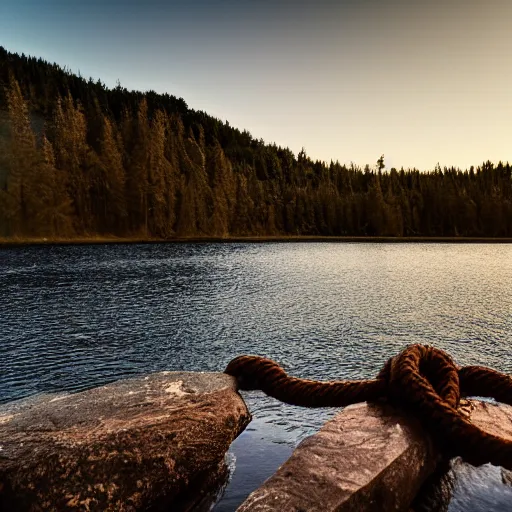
x: 76, y: 317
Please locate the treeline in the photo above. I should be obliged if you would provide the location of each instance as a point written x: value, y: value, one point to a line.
x: 78, y: 159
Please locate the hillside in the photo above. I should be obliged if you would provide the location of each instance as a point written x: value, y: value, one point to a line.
x: 80, y: 160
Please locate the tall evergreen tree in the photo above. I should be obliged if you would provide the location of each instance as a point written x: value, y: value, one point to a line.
x: 196, y: 201
x: 138, y: 170
x: 20, y: 200
x: 160, y: 179
x: 113, y: 181
x: 74, y: 157
x: 56, y: 211
x: 223, y: 192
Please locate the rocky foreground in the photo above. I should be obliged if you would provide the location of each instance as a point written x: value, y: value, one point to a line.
x: 149, y: 443
x: 159, y: 443
x: 373, y: 458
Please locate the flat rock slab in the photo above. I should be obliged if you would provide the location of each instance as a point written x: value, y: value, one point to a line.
x: 492, y: 417
x: 367, y: 458
x: 136, y: 444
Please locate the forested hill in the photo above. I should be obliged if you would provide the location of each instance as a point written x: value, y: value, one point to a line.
x: 80, y: 160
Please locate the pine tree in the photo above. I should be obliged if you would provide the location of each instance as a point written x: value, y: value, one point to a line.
x: 138, y: 171
x: 74, y: 157
x: 223, y: 192
x: 20, y: 198
x: 114, y: 214
x: 242, y: 220
x: 57, y: 212
x: 159, y: 179
x: 196, y: 199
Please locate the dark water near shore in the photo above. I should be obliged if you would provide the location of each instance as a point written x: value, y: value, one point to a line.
x: 77, y: 317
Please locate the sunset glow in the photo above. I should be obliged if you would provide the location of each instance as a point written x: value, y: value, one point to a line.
x: 421, y: 82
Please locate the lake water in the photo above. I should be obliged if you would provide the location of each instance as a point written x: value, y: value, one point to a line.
x: 73, y: 317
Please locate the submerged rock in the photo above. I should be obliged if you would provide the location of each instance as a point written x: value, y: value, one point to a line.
x: 138, y: 444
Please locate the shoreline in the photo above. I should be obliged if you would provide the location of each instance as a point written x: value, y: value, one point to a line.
x: 28, y: 242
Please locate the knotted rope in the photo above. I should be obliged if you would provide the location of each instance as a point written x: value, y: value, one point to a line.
x: 421, y: 379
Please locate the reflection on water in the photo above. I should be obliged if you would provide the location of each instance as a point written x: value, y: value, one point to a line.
x: 76, y: 317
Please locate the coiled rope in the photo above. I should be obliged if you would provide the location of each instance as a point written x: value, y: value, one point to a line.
x: 421, y: 379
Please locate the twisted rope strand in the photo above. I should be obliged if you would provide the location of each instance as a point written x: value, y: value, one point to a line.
x: 421, y: 379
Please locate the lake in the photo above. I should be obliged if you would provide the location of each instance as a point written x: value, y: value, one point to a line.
x: 74, y: 317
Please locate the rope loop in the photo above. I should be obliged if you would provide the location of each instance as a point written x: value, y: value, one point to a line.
x: 422, y: 380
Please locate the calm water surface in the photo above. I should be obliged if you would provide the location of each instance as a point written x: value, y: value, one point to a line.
x: 81, y: 316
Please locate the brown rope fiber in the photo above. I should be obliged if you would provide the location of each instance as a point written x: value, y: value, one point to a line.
x: 421, y: 379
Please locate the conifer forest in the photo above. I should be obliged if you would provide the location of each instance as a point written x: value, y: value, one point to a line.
x: 79, y: 160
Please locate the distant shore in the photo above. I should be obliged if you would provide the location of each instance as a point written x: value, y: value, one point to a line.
x: 23, y: 242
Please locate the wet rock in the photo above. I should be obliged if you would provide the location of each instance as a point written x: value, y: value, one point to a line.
x: 367, y: 458
x: 492, y: 417
x: 477, y: 489
x: 372, y: 458
x: 465, y: 488
x: 460, y: 487
x: 437, y: 490
x: 496, y: 419
x: 506, y: 477
x: 136, y: 444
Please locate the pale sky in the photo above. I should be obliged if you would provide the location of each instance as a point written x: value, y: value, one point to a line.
x: 422, y: 82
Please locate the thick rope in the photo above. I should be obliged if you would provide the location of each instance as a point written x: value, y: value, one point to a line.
x: 421, y: 379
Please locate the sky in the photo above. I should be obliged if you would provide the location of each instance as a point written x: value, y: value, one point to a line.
x: 422, y: 82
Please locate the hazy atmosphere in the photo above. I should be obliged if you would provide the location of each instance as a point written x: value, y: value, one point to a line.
x: 421, y: 82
